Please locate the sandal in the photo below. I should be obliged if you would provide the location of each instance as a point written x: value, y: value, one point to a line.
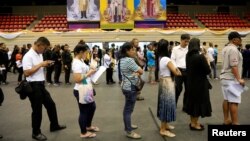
x: 134, y: 126
x: 170, y: 127
x: 167, y: 133
x: 93, y: 129
x: 133, y: 135
x: 88, y: 135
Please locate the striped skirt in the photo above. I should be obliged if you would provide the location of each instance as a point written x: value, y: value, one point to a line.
x: 166, y: 109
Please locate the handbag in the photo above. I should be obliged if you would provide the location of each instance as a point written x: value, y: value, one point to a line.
x: 139, y: 84
x: 23, y: 89
x: 86, y: 93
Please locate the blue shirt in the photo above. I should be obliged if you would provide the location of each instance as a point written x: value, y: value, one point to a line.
x: 215, y: 51
x: 151, y: 58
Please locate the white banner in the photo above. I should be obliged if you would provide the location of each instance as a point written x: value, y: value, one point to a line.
x: 10, y: 35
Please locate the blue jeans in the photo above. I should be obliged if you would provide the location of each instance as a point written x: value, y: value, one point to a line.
x: 130, y: 99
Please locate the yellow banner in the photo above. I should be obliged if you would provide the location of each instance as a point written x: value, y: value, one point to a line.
x: 117, y: 14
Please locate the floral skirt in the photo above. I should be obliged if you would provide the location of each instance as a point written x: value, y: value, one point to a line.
x: 166, y: 109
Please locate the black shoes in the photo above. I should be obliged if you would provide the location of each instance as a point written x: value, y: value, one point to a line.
x: 59, y: 127
x: 1, y: 136
x: 196, y: 129
x: 39, y: 137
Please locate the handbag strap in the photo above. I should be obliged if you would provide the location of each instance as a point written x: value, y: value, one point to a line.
x: 128, y: 78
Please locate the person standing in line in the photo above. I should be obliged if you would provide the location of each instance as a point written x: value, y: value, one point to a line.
x: 246, y: 62
x: 130, y: 73
x: 145, y: 56
x: 109, y: 65
x: 135, y: 44
x: 198, y: 99
x: 57, y: 58
x: 231, y: 74
x: 33, y: 66
x: 81, y: 74
x: 179, y: 58
x: 151, y: 63
x: 47, y: 55
x: 19, y: 57
x: 166, y: 108
x: 67, y: 60
x: 100, y: 55
x: 210, y: 53
x: 155, y: 46
x: 4, y: 61
x: 215, y: 54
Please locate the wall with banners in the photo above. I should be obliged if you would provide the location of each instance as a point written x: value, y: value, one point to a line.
x: 117, y: 14
x: 150, y: 10
x: 98, y: 35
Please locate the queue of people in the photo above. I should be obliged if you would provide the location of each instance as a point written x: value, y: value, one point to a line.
x: 186, y: 63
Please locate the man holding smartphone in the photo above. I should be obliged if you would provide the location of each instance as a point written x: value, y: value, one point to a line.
x: 33, y: 66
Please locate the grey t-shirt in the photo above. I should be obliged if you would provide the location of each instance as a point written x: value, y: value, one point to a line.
x: 231, y: 58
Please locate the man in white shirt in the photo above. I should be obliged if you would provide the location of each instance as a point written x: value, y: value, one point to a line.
x: 178, y: 56
x: 210, y: 52
x: 33, y: 66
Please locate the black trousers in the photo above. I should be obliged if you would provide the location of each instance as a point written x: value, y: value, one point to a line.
x: 58, y: 69
x: 4, y: 76
x: 109, y: 75
x: 179, y: 80
x: 49, y: 73
x: 67, y: 73
x: 40, y: 96
x: 86, y: 115
x: 20, y: 75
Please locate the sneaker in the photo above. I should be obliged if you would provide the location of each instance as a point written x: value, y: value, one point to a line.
x: 133, y: 135
x: 39, y: 137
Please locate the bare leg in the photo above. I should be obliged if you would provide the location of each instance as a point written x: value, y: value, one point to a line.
x: 194, y: 122
x: 225, y: 107
x: 234, y: 113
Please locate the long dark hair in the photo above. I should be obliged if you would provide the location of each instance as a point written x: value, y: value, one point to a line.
x: 163, y: 48
x: 194, y: 46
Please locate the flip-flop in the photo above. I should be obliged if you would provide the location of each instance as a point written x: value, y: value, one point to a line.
x: 93, y: 129
x: 89, y: 135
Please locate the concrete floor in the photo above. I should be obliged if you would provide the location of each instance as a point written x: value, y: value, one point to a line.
x: 15, y: 114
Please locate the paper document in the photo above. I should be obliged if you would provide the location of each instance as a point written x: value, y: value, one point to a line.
x: 98, y: 74
x: 236, y: 89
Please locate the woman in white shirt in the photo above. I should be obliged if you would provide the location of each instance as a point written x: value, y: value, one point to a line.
x: 166, y: 93
x: 81, y: 74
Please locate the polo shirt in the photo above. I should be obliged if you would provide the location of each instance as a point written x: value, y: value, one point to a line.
x: 30, y: 59
x: 231, y: 58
